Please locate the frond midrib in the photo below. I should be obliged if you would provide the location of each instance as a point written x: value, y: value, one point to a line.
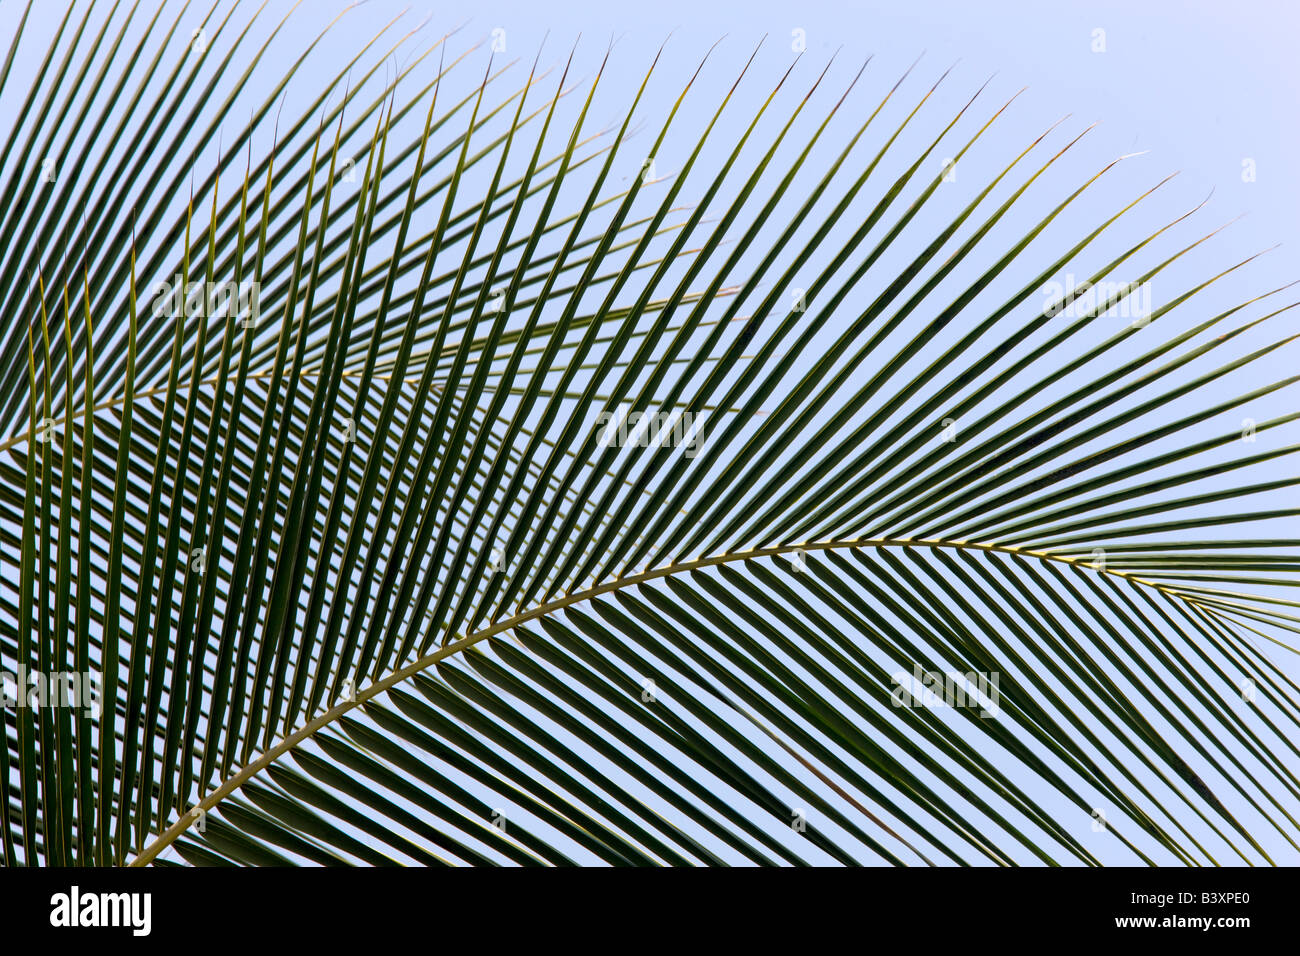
x: 244, y: 774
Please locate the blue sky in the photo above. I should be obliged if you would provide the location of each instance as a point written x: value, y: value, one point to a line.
x: 1206, y: 90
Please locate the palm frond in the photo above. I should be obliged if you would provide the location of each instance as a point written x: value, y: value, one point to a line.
x: 905, y: 565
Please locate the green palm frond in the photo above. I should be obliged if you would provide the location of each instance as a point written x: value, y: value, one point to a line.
x: 370, y: 575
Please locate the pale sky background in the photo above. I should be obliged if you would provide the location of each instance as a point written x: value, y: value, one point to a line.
x: 1207, y: 89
